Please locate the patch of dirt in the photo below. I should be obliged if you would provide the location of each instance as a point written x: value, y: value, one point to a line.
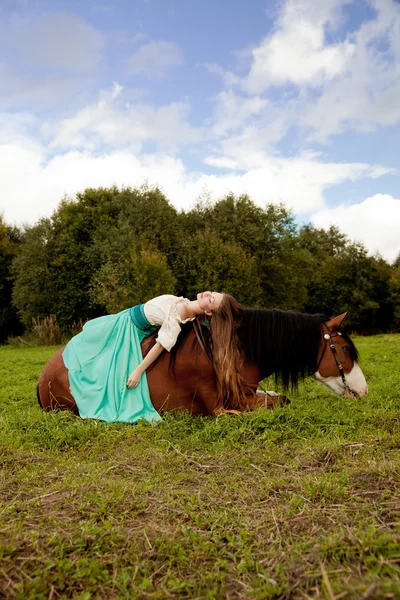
x: 373, y: 482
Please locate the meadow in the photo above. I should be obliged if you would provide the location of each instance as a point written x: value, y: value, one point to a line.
x: 300, y: 502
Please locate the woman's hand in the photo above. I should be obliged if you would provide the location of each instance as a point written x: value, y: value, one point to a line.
x: 134, y: 378
x: 151, y: 356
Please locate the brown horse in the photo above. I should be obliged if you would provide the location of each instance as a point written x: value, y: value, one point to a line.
x: 289, y: 344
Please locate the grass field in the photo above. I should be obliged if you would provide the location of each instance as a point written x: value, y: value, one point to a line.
x: 301, y: 502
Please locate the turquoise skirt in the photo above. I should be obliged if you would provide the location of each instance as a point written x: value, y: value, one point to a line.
x: 99, y: 361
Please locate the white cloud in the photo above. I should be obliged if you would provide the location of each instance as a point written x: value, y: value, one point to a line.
x: 109, y: 122
x: 31, y: 188
x: 250, y: 146
x: 15, y: 128
x: 297, y: 51
x: 20, y: 171
x: 153, y: 59
x: 233, y: 112
x: 297, y: 182
x: 375, y: 222
x: 228, y: 77
x: 366, y: 94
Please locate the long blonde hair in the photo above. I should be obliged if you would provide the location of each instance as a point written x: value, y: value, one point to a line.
x: 227, y: 357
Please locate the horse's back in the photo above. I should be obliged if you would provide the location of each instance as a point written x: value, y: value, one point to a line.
x: 53, y: 386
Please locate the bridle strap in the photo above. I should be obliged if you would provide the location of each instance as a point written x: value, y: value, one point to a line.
x: 320, y: 360
x: 328, y: 337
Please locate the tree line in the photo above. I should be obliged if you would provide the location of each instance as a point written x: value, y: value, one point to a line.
x: 112, y: 248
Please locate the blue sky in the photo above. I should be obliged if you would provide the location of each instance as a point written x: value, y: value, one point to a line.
x: 294, y: 101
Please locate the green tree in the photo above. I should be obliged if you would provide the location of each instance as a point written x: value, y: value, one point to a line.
x: 33, y: 291
x: 131, y: 270
x: 395, y: 292
x: 240, y: 221
x: 73, y: 226
x: 208, y: 263
x: 9, y: 241
x: 268, y: 235
x: 149, y: 213
x: 350, y: 280
x: 322, y: 243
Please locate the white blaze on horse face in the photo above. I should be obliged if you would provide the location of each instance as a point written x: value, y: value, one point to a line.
x: 355, y: 380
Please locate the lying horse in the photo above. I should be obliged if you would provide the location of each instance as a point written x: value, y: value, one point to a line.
x: 288, y: 344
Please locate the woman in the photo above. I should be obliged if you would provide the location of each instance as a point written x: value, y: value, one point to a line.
x: 100, y: 358
x: 169, y: 312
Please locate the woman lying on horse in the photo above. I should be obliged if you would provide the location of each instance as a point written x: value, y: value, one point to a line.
x: 108, y: 349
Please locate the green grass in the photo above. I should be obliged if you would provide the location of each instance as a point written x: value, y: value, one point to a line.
x: 301, y: 502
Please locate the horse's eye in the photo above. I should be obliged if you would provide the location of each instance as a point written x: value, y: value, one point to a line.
x: 346, y: 348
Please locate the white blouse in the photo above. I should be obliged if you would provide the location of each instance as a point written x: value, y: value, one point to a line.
x: 162, y: 311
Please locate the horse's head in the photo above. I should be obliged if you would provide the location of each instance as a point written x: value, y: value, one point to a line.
x: 337, y: 361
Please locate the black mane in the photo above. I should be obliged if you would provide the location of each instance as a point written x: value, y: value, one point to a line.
x: 281, y: 342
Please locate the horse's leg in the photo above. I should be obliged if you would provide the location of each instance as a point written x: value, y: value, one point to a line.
x: 53, y: 386
x: 267, y: 400
x: 255, y: 398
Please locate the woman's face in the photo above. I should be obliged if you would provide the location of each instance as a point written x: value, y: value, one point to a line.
x: 209, y: 301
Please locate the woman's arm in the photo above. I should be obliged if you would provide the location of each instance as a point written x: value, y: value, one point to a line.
x: 151, y: 356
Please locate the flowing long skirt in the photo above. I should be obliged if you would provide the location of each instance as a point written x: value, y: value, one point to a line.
x: 99, y: 361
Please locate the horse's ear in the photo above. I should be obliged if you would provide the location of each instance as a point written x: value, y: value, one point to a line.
x: 336, y: 322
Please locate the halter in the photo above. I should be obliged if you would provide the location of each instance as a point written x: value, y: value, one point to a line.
x: 328, y: 337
